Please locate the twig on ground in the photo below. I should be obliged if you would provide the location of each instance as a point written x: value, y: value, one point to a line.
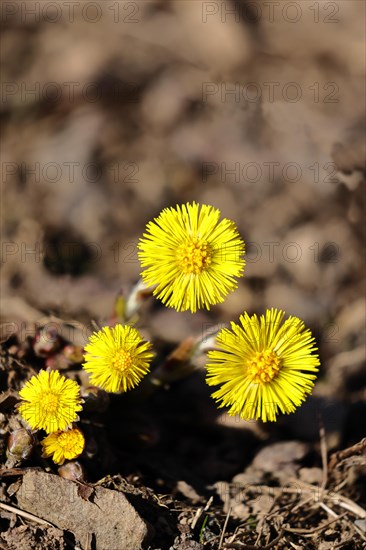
x: 324, y: 456
x: 224, y: 528
x: 26, y: 515
x: 301, y: 503
x: 328, y: 510
x: 346, y: 453
x: 340, y: 500
x: 209, y: 502
x: 348, y: 504
x: 240, y: 546
x: 310, y: 532
x: 197, y: 516
x: 9, y: 472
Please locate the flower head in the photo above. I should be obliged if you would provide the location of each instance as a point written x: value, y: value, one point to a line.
x: 263, y: 366
x: 192, y: 257
x: 63, y: 445
x: 50, y: 401
x: 117, y: 358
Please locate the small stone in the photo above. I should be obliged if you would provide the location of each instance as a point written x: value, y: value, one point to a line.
x: 110, y: 520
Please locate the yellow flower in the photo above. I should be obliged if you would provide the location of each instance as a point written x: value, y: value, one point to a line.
x: 63, y: 445
x: 117, y: 358
x: 191, y: 256
x: 51, y: 401
x: 263, y: 367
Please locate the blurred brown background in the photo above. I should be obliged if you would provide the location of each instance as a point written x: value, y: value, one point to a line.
x: 112, y: 111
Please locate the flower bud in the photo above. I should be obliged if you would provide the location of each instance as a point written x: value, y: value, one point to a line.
x: 73, y: 471
x: 47, y: 341
x: 20, y: 446
x: 74, y: 354
x: 138, y: 296
x: 119, y: 313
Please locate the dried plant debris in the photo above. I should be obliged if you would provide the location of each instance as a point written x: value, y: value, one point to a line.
x: 162, y: 484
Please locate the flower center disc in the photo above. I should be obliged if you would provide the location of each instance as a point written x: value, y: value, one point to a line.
x: 264, y: 366
x: 68, y: 440
x: 50, y: 403
x: 194, y: 256
x: 122, y: 360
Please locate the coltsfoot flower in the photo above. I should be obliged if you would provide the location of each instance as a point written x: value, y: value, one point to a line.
x: 50, y: 401
x: 263, y: 367
x: 63, y: 445
x: 192, y: 256
x: 117, y: 358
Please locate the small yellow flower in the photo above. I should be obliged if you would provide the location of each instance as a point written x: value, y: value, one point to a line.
x: 263, y: 367
x: 63, y: 445
x: 192, y: 257
x: 117, y: 358
x: 50, y: 401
